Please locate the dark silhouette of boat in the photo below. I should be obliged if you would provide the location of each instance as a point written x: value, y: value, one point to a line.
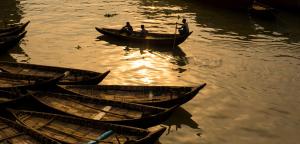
x: 150, y: 39
x: 75, y: 76
x: 8, y: 42
x: 19, y: 82
x: 161, y: 96
x: 13, y: 30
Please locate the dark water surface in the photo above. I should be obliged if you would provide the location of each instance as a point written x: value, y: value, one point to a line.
x: 251, y: 66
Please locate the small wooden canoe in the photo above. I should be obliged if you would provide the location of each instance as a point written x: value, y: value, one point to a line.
x: 160, y: 96
x: 73, y: 130
x: 20, y: 82
x: 103, y: 110
x: 14, y: 27
x: 75, y: 77
x: 150, y: 39
x: 14, y: 31
x: 14, y: 133
x: 9, y: 42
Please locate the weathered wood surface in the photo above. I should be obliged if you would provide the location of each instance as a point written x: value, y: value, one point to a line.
x: 162, y: 96
x: 13, y: 133
x: 103, y: 110
x: 76, y: 76
x: 73, y: 130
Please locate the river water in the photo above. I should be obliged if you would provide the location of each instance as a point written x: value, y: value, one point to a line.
x: 251, y: 66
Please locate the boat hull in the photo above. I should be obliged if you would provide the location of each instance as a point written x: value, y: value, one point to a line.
x: 170, y: 40
x: 160, y: 96
x: 67, y: 129
x: 75, y: 76
x: 103, y: 110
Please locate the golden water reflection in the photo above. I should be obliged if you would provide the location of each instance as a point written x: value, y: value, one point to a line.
x: 251, y: 66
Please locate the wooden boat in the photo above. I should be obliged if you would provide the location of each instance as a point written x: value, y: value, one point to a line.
x: 150, y: 39
x: 103, y: 110
x: 13, y: 27
x: 13, y: 30
x: 160, y: 96
x: 8, y: 42
x: 17, y: 82
x: 73, y: 130
x: 14, y: 133
x: 75, y: 77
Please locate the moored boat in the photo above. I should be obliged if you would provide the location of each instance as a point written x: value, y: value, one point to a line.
x: 13, y: 30
x: 14, y: 133
x: 150, y: 39
x: 68, y: 129
x: 75, y: 77
x: 160, y: 96
x: 10, y: 81
x: 10, y: 41
x: 103, y: 110
x: 14, y: 27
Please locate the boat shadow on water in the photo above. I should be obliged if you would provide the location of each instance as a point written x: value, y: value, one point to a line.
x: 180, y: 117
x: 178, y: 56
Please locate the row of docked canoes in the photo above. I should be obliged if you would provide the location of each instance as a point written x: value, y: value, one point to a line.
x: 10, y: 36
x: 66, y: 105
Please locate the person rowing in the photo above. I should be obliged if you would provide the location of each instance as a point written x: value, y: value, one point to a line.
x: 127, y: 29
x: 184, y: 29
x: 143, y: 32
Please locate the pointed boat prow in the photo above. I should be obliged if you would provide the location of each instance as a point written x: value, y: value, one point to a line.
x: 50, y: 82
x: 102, y: 76
x: 196, y: 90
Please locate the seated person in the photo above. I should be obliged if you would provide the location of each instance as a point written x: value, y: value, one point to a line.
x: 184, y: 29
x: 144, y: 32
x: 127, y: 29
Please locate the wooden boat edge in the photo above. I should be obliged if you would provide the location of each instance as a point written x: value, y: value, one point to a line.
x: 154, y: 119
x: 165, y: 104
x: 153, y: 132
x: 31, y: 132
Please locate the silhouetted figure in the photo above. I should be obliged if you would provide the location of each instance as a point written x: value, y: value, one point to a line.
x: 144, y: 32
x: 184, y: 29
x: 127, y: 29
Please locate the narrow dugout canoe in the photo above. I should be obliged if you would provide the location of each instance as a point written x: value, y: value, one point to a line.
x: 103, y: 110
x: 8, y: 42
x: 150, y: 39
x: 73, y: 130
x: 14, y: 31
x: 160, y: 96
x: 10, y: 81
x: 75, y: 77
x: 14, y: 133
x: 14, y: 27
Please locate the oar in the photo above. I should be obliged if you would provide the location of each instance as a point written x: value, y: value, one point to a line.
x: 175, y: 32
x: 101, y: 137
